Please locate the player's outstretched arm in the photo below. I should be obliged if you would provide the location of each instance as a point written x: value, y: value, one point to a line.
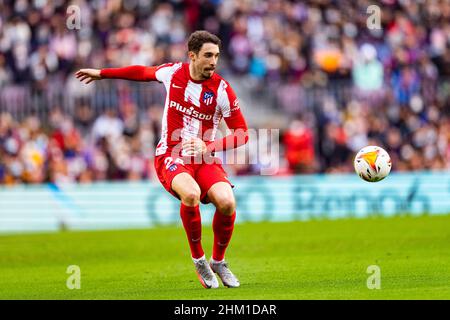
x: 88, y: 74
x: 134, y: 73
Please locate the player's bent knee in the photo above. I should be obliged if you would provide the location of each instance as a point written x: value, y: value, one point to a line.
x: 222, y: 196
x: 191, y: 197
x: 226, y: 205
x: 187, y: 189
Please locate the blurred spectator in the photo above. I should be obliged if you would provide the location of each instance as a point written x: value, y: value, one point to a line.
x: 367, y: 70
x: 299, y: 147
x: 108, y: 125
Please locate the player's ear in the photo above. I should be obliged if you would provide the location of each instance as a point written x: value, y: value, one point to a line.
x: 192, y: 56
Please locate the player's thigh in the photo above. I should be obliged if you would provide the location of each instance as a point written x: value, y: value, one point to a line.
x: 186, y: 187
x: 222, y: 196
x: 207, y: 176
x: 169, y: 169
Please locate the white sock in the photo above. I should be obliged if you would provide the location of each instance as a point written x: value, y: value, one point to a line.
x: 197, y: 260
x: 215, y: 261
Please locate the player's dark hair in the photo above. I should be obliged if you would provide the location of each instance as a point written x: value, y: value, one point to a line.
x: 200, y: 37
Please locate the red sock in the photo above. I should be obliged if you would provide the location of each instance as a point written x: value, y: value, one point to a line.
x: 223, y: 226
x: 192, y: 223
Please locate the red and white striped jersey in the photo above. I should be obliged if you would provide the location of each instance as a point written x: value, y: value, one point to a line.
x: 193, y: 108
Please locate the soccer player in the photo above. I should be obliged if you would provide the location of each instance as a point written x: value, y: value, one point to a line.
x: 197, y: 99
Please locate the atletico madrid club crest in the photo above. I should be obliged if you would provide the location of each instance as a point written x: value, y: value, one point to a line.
x: 208, y: 97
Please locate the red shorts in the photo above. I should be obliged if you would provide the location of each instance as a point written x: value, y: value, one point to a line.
x: 205, y: 174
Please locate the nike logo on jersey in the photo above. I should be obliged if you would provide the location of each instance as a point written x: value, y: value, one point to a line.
x: 175, y: 86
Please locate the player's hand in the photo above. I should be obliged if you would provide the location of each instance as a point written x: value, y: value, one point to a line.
x: 194, y: 147
x: 90, y: 74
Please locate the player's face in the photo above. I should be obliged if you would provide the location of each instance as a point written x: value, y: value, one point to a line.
x: 205, y: 62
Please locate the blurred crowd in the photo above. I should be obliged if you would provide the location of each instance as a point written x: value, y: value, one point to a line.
x: 399, y: 92
x: 80, y: 148
x: 339, y: 81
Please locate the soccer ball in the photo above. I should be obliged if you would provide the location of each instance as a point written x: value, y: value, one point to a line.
x: 372, y: 163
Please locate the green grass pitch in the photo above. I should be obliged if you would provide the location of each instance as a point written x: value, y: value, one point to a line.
x: 297, y: 260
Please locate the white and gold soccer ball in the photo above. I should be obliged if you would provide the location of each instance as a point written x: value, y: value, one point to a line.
x: 372, y: 163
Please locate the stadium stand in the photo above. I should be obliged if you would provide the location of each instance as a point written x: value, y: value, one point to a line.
x: 329, y: 83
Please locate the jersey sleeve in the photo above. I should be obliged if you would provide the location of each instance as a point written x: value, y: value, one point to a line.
x: 134, y: 73
x: 231, y: 112
x: 163, y: 72
x: 159, y: 73
x: 227, y: 100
